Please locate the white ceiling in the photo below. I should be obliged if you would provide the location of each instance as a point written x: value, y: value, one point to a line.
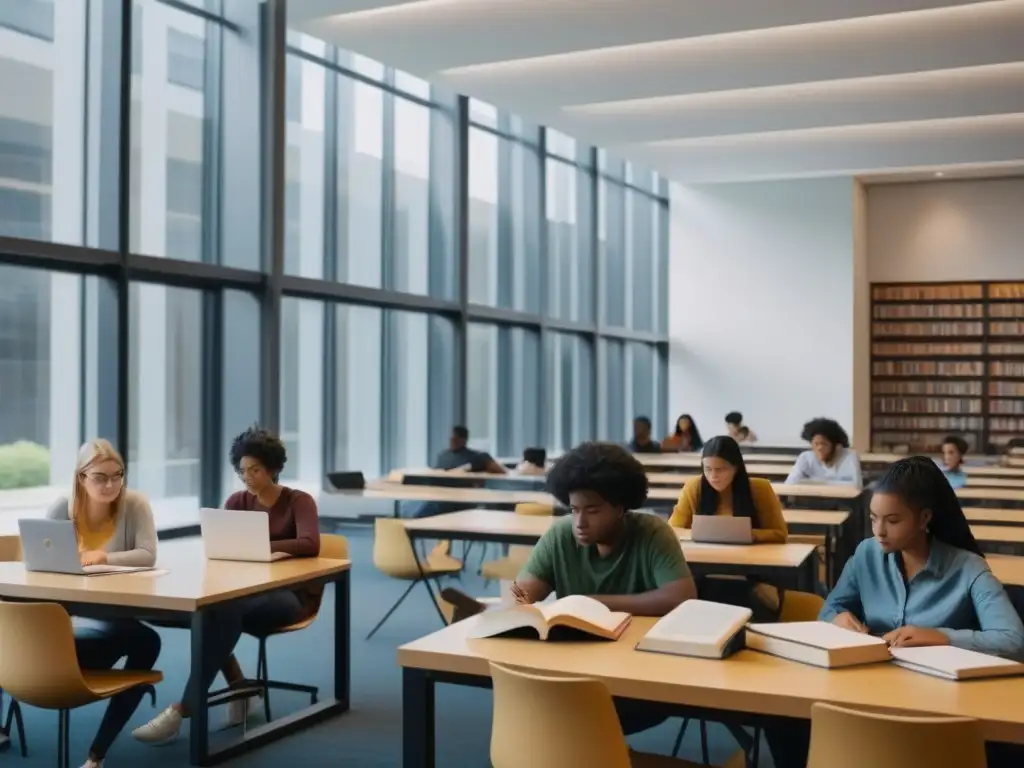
x: 725, y: 90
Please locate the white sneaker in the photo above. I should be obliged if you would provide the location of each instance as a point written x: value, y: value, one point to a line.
x: 162, y: 729
x: 90, y: 763
x: 238, y: 712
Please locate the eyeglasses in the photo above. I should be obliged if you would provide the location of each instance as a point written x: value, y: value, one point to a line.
x: 102, y: 480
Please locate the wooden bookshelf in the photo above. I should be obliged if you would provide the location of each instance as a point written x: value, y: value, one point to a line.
x: 946, y: 358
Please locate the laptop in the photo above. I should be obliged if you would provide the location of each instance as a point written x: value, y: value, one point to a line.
x: 231, y: 534
x: 51, y: 546
x: 346, y: 481
x: 721, y: 529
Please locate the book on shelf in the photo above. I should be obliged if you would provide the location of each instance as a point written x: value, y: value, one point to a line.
x: 698, y: 628
x: 954, y: 663
x: 573, y: 617
x: 817, y: 642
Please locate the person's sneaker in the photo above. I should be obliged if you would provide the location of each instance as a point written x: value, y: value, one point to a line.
x: 162, y: 729
x: 465, y: 606
x: 90, y: 763
x: 237, y: 712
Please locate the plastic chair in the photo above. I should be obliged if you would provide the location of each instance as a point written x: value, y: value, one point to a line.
x: 39, y: 666
x: 394, y: 556
x: 508, y: 567
x: 10, y: 549
x: 552, y: 722
x: 10, y: 552
x: 847, y: 738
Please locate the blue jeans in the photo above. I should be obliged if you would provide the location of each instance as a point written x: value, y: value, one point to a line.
x: 100, y: 644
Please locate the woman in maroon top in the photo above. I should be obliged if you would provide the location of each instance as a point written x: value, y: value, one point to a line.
x: 258, y: 457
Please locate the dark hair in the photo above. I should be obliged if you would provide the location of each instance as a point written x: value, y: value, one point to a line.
x: 957, y: 442
x: 607, y: 469
x: 262, y: 445
x: 827, y: 428
x: 744, y: 431
x: 920, y: 484
x: 724, y: 447
x: 642, y: 420
x: 734, y: 417
x: 461, y: 432
x: 695, y: 439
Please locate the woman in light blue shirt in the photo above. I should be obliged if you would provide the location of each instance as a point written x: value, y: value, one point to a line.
x: 830, y: 459
x: 922, y: 580
x: 953, y: 450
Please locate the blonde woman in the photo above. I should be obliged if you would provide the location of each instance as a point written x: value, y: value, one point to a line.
x: 113, y: 525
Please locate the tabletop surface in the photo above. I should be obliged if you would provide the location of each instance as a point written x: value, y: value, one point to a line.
x: 991, y: 494
x: 985, y: 515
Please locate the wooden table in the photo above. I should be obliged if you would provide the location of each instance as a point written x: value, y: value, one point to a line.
x: 693, y: 460
x: 379, y: 490
x: 187, y: 586
x: 744, y: 689
x: 991, y: 516
x: 1002, y: 539
x: 1010, y: 495
x: 1008, y: 569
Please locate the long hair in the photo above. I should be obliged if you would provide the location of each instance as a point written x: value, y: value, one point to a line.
x: 724, y: 447
x: 89, y: 455
x: 920, y: 484
x: 695, y: 440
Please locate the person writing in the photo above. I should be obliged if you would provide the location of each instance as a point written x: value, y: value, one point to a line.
x: 113, y: 525
x: 685, y: 438
x: 737, y: 430
x: 642, y: 442
x: 258, y: 457
x: 920, y: 581
x: 953, y: 450
x: 830, y: 459
x: 630, y: 561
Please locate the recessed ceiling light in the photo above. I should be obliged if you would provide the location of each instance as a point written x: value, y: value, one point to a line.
x: 939, y: 173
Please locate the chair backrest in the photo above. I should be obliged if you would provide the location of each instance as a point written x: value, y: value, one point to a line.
x: 333, y: 546
x: 800, y: 606
x: 547, y: 722
x: 38, y: 661
x: 846, y: 738
x: 537, y: 510
x: 10, y: 549
x: 392, y: 549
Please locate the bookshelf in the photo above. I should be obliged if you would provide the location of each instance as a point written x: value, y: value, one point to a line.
x: 946, y: 358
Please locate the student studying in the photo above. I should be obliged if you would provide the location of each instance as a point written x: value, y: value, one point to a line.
x: 685, y: 438
x: 737, y: 430
x: 642, y: 441
x: 457, y: 456
x: 830, y: 459
x: 953, y: 450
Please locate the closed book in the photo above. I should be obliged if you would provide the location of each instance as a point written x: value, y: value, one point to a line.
x: 698, y: 628
x: 574, y: 617
x: 817, y: 642
x: 955, y: 663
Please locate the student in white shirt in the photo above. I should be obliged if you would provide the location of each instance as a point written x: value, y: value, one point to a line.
x: 830, y: 459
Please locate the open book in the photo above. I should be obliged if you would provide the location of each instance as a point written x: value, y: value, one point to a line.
x: 698, y: 628
x: 954, y: 663
x: 571, y: 617
x: 817, y: 642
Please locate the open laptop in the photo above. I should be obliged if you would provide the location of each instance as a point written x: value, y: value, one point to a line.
x: 51, y: 546
x: 230, y: 534
x: 721, y: 529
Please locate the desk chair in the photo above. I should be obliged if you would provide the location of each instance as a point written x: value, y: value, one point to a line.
x: 569, y: 721
x: 394, y: 556
x: 39, y: 666
x: 508, y: 567
x: 846, y: 738
x: 10, y: 552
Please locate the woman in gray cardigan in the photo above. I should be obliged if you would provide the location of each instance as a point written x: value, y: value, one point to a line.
x: 113, y: 525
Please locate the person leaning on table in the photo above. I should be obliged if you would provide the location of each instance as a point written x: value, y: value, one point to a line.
x: 258, y: 457
x: 830, y: 460
x: 922, y: 580
x: 630, y: 561
x: 113, y: 525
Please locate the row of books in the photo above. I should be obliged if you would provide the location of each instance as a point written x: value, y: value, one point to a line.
x: 1006, y: 425
x: 1003, y: 349
x: 956, y: 388
x: 924, y: 442
x: 929, y: 311
x: 928, y: 368
x: 930, y: 329
x: 1006, y: 407
x: 929, y: 405
x: 1006, y: 291
x: 707, y: 630
x: 1005, y: 310
x: 927, y: 422
x: 1002, y: 368
x: 930, y: 292
x: 927, y: 349
x: 1006, y: 328
x: 1006, y: 388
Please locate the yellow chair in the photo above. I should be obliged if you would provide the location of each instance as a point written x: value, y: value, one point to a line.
x: 508, y: 567
x: 10, y: 549
x: 10, y: 552
x: 800, y: 606
x: 394, y: 556
x: 846, y: 738
x: 39, y: 666
x: 569, y: 721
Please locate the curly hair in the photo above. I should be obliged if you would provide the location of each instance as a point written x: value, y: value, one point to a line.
x: 607, y: 469
x: 262, y: 445
x: 957, y: 442
x: 827, y: 428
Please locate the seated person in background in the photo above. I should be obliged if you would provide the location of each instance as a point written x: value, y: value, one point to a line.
x: 258, y: 457
x: 830, y: 459
x: 113, y: 525
x: 534, y: 462
x: 459, y: 455
x: 724, y: 488
x: 642, y: 442
x: 685, y: 438
x: 922, y: 580
x: 630, y: 561
x: 736, y: 429
x: 953, y: 450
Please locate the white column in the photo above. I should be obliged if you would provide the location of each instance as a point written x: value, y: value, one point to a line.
x: 309, y: 469
x: 363, y: 375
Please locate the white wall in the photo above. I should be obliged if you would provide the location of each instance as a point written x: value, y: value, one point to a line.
x: 761, y: 317
x: 956, y: 230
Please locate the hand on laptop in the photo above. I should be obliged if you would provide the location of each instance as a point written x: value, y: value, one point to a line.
x: 94, y: 557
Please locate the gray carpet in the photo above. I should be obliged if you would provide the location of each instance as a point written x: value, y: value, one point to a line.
x: 370, y: 734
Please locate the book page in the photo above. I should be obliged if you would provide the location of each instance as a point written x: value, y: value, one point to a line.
x: 818, y: 634
x: 946, y: 658
x: 499, y: 621
x: 582, y: 607
x: 700, y: 621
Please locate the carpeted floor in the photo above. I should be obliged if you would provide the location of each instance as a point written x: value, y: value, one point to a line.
x: 370, y: 734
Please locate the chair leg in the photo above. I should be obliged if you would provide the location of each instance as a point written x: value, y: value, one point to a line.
x: 64, y: 739
x: 679, y: 738
x: 755, y: 749
x: 393, y: 607
x: 263, y: 675
x: 704, y: 743
x: 14, y: 717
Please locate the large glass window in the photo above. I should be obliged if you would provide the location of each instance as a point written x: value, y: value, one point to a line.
x: 571, y: 269
x: 569, y: 390
x: 302, y: 391
x: 357, y: 390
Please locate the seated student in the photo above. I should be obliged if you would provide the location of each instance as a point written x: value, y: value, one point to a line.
x: 534, y: 462
x: 113, y: 525
x: 953, y: 450
x: 737, y: 430
x: 258, y: 457
x: 642, y: 442
x: 458, y: 455
x: 685, y: 438
x: 830, y: 459
x: 922, y: 580
x: 630, y: 561
x: 724, y: 488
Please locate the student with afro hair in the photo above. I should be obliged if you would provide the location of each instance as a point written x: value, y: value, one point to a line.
x: 830, y: 459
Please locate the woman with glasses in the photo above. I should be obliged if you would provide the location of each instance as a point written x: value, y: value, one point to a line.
x: 113, y: 525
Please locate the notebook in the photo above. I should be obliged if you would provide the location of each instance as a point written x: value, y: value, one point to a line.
x: 698, y: 628
x: 817, y: 642
x: 573, y: 617
x: 954, y: 663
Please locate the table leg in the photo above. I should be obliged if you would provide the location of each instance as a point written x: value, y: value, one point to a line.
x: 418, y: 748
x: 342, y: 639
x: 199, y: 728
